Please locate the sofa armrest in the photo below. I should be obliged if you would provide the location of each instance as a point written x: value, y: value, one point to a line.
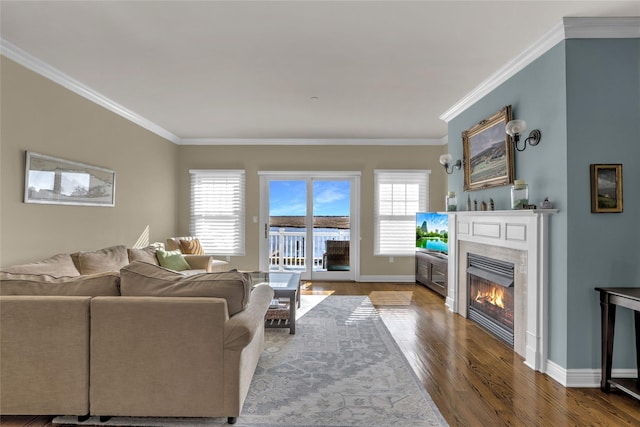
x: 240, y: 329
x: 45, y: 355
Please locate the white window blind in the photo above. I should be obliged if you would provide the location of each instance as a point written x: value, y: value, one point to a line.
x: 218, y: 210
x: 399, y: 194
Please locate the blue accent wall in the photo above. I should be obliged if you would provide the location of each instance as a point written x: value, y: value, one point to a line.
x: 584, y: 96
x: 603, y: 122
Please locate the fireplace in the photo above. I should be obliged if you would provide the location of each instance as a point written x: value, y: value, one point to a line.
x: 491, y: 295
x: 521, y: 238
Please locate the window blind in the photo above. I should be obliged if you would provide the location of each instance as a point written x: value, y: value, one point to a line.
x: 218, y: 210
x: 399, y: 195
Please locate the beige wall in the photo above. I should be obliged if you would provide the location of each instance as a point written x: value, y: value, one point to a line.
x: 39, y: 115
x: 152, y: 176
x: 313, y: 158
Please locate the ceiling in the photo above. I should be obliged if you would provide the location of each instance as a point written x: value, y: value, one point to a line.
x: 219, y: 70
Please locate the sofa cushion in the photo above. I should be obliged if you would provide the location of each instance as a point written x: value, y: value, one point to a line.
x: 147, y: 255
x: 191, y: 247
x: 107, y: 259
x: 100, y: 284
x: 60, y: 265
x: 142, y: 279
x: 173, y: 260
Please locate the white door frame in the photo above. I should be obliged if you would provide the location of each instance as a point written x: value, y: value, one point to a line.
x: 354, y: 250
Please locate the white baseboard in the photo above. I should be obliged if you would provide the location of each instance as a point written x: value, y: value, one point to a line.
x: 587, y: 378
x: 402, y: 279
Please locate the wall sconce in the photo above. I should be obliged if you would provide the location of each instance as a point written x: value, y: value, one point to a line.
x: 445, y: 160
x: 516, y: 127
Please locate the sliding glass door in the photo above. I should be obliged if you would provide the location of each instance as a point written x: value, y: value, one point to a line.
x: 309, y: 223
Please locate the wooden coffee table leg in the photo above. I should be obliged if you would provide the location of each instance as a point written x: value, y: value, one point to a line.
x: 292, y: 312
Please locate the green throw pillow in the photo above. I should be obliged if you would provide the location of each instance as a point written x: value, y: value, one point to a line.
x: 173, y: 260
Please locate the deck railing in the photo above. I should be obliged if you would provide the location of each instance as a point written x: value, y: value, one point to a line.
x: 287, y: 248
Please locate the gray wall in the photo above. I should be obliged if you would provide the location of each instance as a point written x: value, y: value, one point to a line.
x: 603, y: 122
x: 39, y: 115
x: 584, y: 97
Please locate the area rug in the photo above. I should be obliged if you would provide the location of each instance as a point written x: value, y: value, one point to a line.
x: 341, y: 368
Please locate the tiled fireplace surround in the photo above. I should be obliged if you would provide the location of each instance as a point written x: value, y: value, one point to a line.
x: 519, y: 237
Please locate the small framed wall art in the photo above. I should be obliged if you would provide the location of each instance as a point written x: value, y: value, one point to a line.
x: 51, y: 180
x: 606, y: 188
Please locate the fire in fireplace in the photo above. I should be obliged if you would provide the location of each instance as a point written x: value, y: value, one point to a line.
x: 491, y: 292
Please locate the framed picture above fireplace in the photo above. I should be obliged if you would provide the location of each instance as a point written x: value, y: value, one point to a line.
x: 606, y: 188
x: 488, y: 153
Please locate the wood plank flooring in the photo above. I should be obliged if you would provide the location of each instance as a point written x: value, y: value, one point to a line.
x: 473, y: 378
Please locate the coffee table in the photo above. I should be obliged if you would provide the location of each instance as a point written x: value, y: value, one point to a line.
x: 285, y: 285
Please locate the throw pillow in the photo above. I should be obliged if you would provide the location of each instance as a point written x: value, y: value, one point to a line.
x: 60, y: 265
x: 141, y: 279
x: 107, y: 259
x: 191, y: 247
x: 147, y: 254
x: 173, y: 260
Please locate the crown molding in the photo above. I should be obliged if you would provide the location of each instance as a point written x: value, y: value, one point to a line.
x: 38, y: 66
x: 602, y: 28
x: 310, y: 141
x: 511, y: 68
x: 568, y: 28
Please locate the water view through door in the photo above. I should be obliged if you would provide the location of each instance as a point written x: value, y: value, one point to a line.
x: 309, y: 226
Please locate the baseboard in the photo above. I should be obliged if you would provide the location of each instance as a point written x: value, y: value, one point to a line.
x: 375, y: 278
x: 584, y: 378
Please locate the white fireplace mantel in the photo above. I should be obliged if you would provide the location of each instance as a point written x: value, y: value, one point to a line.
x: 520, y: 230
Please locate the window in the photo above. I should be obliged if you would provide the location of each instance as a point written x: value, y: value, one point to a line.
x: 399, y: 195
x: 218, y: 210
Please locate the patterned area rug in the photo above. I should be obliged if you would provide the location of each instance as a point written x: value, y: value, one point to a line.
x: 341, y: 368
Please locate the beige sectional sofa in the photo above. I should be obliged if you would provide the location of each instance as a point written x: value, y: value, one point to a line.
x: 142, y: 341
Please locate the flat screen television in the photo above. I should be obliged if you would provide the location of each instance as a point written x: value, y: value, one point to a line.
x: 432, y: 232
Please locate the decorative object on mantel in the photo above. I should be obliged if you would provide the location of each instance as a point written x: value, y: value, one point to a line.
x: 483, y: 206
x: 445, y: 161
x: 475, y: 204
x: 452, y: 204
x: 468, y: 202
x: 546, y: 204
x: 50, y: 180
x: 516, y: 127
x: 519, y: 194
x: 492, y: 205
x: 606, y: 188
x: 488, y: 153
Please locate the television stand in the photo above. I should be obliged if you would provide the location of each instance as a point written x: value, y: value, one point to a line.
x: 432, y: 271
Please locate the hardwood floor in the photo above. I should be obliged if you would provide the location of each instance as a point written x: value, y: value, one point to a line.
x: 473, y: 378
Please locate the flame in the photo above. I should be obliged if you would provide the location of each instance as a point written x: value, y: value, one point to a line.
x: 495, y: 297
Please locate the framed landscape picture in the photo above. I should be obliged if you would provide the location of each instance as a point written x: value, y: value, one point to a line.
x: 488, y: 153
x: 606, y: 188
x: 50, y: 180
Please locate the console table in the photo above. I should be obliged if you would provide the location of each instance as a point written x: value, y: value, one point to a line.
x: 610, y: 298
